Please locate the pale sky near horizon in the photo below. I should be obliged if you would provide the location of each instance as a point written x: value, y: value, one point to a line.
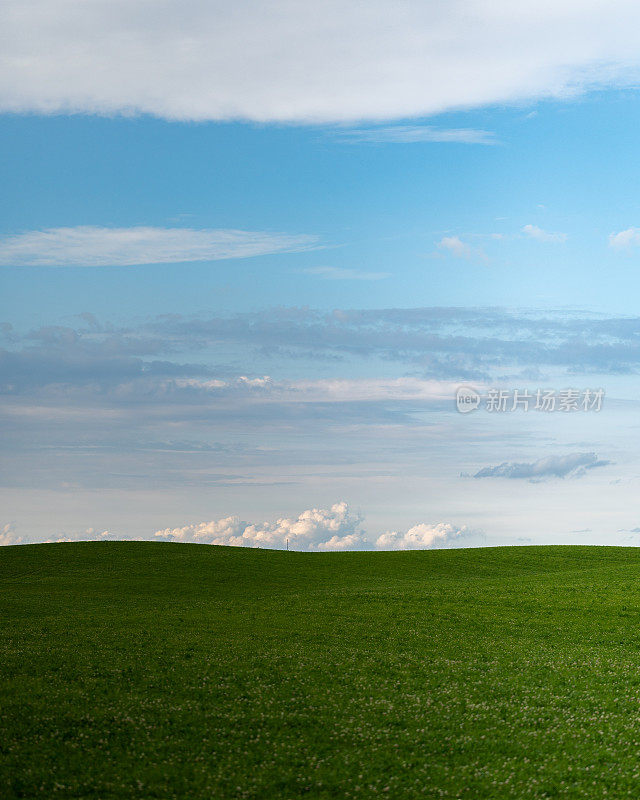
x: 250, y: 251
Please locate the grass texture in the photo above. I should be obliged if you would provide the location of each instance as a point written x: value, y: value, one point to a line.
x: 159, y: 670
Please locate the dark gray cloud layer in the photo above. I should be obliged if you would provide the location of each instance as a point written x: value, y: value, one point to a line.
x: 178, y: 400
x: 174, y: 369
x: 446, y: 342
x: 436, y: 343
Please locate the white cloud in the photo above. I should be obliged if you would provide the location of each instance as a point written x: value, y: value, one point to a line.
x: 87, y: 535
x: 573, y: 465
x: 338, y: 390
x: 8, y: 535
x: 409, y: 134
x: 309, y: 62
x: 96, y: 247
x: 534, y: 232
x: 350, y: 541
x: 624, y: 239
x: 421, y: 537
x: 460, y: 249
x: 455, y: 246
x: 363, y: 389
x: 336, y: 528
x: 223, y: 531
x: 317, y: 529
x: 340, y: 274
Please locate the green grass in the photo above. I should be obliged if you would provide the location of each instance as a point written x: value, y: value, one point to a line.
x: 153, y: 670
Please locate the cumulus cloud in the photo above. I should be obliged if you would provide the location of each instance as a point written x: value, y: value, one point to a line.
x: 351, y: 541
x: 336, y: 528
x: 534, y: 232
x: 92, y: 246
x: 308, y: 62
x: 86, y: 535
x: 574, y: 465
x: 422, y: 537
x: 409, y: 134
x: 93, y: 533
x: 624, y: 239
x: 8, y: 535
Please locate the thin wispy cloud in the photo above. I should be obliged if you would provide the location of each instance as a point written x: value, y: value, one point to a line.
x: 540, y: 235
x: 410, y: 134
x: 336, y: 390
x: 93, y: 246
x: 305, y: 62
x: 340, y: 274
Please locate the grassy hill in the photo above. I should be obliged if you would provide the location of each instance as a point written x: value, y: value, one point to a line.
x: 155, y: 670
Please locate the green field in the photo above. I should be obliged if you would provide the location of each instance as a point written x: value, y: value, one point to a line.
x: 156, y: 670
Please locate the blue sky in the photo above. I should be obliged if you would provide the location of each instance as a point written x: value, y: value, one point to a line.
x: 252, y: 298
x: 568, y: 168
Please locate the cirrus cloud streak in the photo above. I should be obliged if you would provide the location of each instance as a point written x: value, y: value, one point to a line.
x: 94, y: 246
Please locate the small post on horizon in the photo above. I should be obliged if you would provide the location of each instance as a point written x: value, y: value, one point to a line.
x: 287, y: 544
